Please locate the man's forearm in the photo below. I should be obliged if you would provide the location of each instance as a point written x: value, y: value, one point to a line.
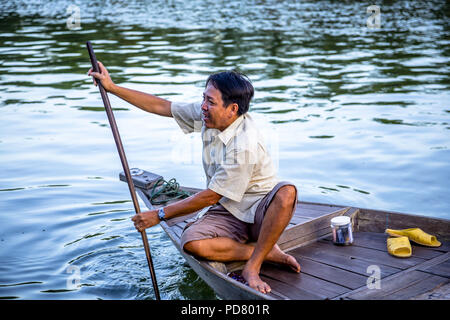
x: 193, y: 203
x: 144, y: 101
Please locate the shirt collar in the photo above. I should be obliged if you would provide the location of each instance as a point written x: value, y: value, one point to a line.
x: 231, y: 130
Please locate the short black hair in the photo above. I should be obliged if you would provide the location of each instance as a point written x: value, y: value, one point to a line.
x: 235, y: 87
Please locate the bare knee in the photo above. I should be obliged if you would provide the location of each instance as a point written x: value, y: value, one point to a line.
x: 193, y: 247
x: 198, y: 248
x: 286, y: 196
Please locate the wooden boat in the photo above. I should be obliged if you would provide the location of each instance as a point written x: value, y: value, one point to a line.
x: 363, y: 270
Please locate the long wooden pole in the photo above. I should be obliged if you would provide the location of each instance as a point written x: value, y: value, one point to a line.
x: 124, y: 161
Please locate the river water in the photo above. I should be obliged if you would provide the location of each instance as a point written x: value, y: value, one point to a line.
x: 352, y: 114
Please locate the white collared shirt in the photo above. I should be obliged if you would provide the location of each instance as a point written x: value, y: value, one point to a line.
x: 236, y: 162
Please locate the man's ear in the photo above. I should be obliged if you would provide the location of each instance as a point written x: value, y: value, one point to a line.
x: 234, y: 108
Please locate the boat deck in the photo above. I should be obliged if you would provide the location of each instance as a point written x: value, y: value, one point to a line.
x: 342, y: 272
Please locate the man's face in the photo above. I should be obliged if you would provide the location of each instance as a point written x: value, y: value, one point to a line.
x: 215, y: 115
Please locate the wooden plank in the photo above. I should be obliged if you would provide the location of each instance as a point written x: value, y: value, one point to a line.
x: 182, y: 224
x: 313, y: 211
x: 377, y: 241
x: 407, y: 286
x: 299, y: 220
x: 439, y: 293
x: 305, y: 239
x: 305, y: 213
x: 177, y: 230
x: 389, y: 287
x: 179, y: 219
x: 145, y: 181
x: 290, y: 291
x: 379, y: 221
x: 445, y: 247
x: 312, y: 230
x: 332, y: 274
x: 303, y: 281
x: 338, y: 260
x: 375, y: 256
x: 442, y: 269
x: 425, y: 265
x: 309, y: 227
x: 277, y: 295
x: 418, y: 288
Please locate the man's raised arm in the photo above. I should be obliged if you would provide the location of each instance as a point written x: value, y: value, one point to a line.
x: 144, y: 101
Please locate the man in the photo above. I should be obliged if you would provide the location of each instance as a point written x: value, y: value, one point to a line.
x: 243, y: 200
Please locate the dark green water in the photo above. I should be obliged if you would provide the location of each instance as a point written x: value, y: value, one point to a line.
x: 352, y: 115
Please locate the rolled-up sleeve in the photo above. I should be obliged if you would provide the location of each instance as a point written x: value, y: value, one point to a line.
x: 188, y: 116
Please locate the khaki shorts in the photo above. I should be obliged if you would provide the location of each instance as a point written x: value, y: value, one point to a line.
x: 219, y: 222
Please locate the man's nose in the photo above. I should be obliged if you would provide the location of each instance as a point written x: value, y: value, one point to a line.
x: 204, y: 106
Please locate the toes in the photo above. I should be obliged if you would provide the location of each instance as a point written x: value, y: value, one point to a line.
x: 262, y: 287
x: 266, y: 288
x: 293, y: 264
x: 255, y: 282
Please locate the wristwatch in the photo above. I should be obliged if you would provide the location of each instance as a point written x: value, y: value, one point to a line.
x: 161, y: 214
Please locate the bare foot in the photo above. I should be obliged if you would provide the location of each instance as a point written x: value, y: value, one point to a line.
x: 254, y: 281
x: 278, y: 256
x: 275, y: 255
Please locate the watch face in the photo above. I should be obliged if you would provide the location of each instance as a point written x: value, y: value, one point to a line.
x: 161, y: 214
